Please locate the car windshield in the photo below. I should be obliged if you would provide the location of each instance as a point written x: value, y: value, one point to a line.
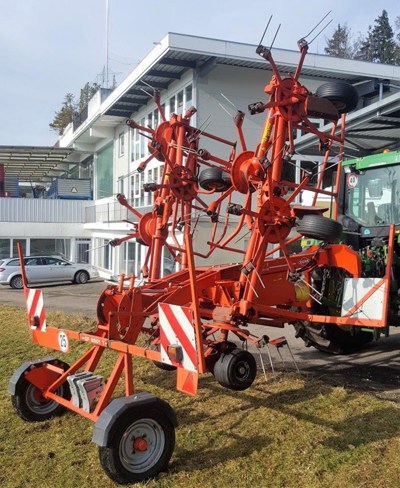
x: 373, y: 196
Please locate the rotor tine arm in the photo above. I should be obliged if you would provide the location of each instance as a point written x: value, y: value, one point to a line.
x: 134, y: 125
x: 123, y: 201
x: 119, y: 241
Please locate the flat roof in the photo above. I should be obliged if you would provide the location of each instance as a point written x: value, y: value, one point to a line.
x: 35, y: 163
x: 176, y: 53
x: 368, y: 130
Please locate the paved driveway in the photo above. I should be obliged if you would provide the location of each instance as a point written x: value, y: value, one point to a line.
x: 69, y: 298
x: 376, y: 368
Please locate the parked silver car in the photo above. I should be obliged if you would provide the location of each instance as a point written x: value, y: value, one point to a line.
x: 43, y: 269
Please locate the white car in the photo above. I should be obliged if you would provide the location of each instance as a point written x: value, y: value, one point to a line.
x: 44, y: 269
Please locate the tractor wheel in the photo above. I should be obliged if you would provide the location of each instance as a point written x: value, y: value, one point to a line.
x: 139, y: 446
x: 235, y: 370
x: 332, y: 339
x: 343, y: 95
x: 31, y: 406
x: 318, y: 227
x: 16, y: 282
x: 214, y: 179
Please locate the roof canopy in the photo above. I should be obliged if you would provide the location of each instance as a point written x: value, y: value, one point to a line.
x: 35, y: 163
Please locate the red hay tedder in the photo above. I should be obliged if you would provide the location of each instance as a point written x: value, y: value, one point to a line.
x: 192, y: 317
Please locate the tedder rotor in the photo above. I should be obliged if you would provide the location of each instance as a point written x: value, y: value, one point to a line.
x: 191, y: 319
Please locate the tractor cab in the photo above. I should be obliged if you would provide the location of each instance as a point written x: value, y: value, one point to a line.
x: 371, y: 196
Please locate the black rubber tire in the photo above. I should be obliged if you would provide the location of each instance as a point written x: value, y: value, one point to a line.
x: 319, y: 227
x: 124, y: 466
x: 235, y: 370
x: 226, y: 177
x: 214, y: 179
x: 159, y: 364
x: 81, y: 277
x: 332, y: 339
x: 31, y: 408
x: 343, y: 95
x: 16, y: 282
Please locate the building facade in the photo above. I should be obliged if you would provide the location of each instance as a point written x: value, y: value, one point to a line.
x: 216, y: 77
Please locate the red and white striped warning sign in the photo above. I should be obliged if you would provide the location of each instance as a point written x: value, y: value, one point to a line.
x: 176, y: 328
x: 35, y: 307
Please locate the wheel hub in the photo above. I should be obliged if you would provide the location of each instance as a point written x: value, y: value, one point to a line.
x: 140, y: 444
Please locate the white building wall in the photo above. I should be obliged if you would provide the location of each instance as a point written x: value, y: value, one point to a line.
x: 241, y: 86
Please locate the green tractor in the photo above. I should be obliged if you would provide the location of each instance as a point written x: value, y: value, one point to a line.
x: 369, y: 201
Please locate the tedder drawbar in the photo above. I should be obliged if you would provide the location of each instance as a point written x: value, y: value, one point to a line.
x: 190, y: 320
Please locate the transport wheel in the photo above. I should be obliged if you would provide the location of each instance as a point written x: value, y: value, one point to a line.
x: 31, y: 406
x: 159, y: 364
x: 343, y: 95
x: 16, y: 282
x: 332, y: 339
x: 81, y: 277
x: 214, y: 179
x: 139, y: 446
x: 235, y: 370
x: 318, y: 227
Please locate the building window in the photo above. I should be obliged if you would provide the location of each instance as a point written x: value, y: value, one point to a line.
x: 121, y: 186
x: 188, y: 96
x: 61, y: 247
x: 121, y: 144
x: 142, y: 140
x: 171, y: 106
x: 87, y: 168
x: 4, y: 248
x: 130, y: 258
x: 179, y: 103
x: 106, y: 261
x: 135, y: 141
x: 104, y: 173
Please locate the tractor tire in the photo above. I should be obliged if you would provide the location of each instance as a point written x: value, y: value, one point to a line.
x: 343, y: 95
x: 318, y: 227
x: 331, y: 339
x: 213, y: 179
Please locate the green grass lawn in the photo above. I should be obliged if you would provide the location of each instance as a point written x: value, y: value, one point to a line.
x: 293, y: 432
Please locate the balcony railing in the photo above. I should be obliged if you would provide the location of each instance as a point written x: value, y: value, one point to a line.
x: 111, y: 212
x: 42, y: 210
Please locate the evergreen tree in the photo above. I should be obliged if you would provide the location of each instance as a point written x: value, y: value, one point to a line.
x: 397, y: 26
x: 86, y: 94
x: 379, y: 45
x: 65, y: 115
x: 339, y: 44
x: 363, y: 47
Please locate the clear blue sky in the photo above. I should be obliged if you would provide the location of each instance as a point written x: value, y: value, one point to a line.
x: 51, y: 47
